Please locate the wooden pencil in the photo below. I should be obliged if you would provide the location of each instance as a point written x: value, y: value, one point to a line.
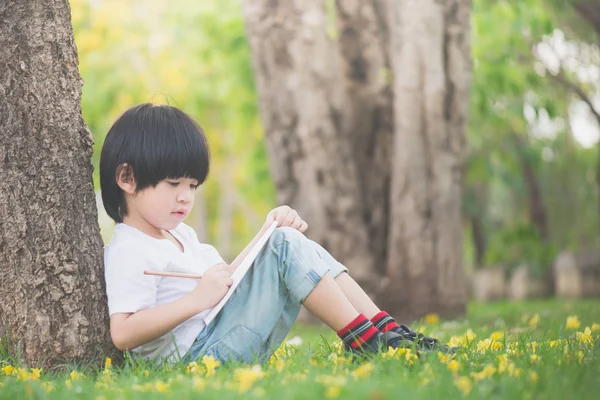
x: 173, y: 274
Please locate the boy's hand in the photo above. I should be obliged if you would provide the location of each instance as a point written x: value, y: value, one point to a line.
x: 286, y: 216
x: 212, y: 287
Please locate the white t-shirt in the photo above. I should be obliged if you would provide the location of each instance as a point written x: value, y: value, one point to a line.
x: 128, y: 254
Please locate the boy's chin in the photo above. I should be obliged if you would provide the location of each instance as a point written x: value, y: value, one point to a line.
x: 171, y: 226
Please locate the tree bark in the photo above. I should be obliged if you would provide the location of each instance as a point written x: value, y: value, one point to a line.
x: 51, y: 275
x: 303, y: 104
x: 431, y: 64
x: 363, y: 43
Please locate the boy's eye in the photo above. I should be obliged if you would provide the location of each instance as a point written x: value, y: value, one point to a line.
x: 173, y: 183
x: 194, y: 187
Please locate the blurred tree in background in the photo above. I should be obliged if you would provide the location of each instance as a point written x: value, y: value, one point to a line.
x: 365, y: 125
x: 531, y: 175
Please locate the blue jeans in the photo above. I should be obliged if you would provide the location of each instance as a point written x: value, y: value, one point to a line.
x: 265, y: 305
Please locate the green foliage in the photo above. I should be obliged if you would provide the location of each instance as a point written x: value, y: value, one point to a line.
x: 506, y: 82
x: 520, y: 245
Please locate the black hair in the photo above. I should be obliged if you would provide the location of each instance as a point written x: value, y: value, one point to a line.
x: 156, y: 142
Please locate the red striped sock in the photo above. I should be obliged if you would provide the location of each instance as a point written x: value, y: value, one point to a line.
x: 384, y: 322
x: 358, y: 332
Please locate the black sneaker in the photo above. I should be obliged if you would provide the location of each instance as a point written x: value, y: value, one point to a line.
x: 422, y: 342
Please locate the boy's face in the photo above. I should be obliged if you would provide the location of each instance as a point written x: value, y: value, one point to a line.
x: 161, y: 207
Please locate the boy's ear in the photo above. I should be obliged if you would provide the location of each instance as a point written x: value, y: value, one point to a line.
x: 125, y: 178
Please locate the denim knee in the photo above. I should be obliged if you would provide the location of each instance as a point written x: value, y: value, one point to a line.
x: 287, y: 234
x: 299, y: 264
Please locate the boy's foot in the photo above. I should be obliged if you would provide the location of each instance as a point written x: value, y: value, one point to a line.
x: 380, y: 343
x: 422, y: 342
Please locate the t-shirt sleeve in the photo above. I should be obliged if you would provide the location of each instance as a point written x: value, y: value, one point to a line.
x: 127, y: 288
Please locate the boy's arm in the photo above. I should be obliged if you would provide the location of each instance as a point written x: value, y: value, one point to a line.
x: 129, y: 331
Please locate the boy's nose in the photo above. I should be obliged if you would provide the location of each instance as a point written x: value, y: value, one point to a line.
x: 185, y: 196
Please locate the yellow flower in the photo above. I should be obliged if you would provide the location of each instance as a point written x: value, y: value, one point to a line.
x: 192, y: 368
x: 586, y: 336
x: 487, y: 371
x: 398, y: 353
x: 444, y: 358
x: 210, y: 363
x: 534, y: 320
x: 464, y: 384
x: 337, y: 360
x: 465, y: 339
x: 504, y: 364
x: 161, y: 387
x: 279, y: 364
x: 146, y: 372
x: 532, y: 347
x: 453, y: 366
x: 497, y: 335
x: 8, y: 370
x: 534, y: 358
x: 333, y: 392
x: 245, y: 377
x: 48, y: 386
x: 580, y: 356
x: 36, y: 373
x: 76, y: 375
x: 595, y: 327
x: 533, y: 377
x: 107, y: 363
x: 553, y: 343
x: 364, y: 371
x: 483, y: 345
x: 431, y: 319
x: 573, y: 322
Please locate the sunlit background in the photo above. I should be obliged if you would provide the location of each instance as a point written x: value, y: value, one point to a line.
x: 194, y: 55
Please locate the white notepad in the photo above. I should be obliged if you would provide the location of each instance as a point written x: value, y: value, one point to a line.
x: 241, y: 271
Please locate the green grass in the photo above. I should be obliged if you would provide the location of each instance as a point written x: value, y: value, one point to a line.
x: 533, y: 356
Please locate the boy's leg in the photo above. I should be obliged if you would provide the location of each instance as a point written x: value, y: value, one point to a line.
x: 364, y: 305
x: 353, y: 292
x: 260, y: 313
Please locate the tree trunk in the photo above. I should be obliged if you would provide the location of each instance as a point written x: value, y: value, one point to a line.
x: 327, y: 105
x: 431, y: 64
x: 479, y: 239
x: 537, y: 209
x: 51, y: 275
x: 303, y: 103
x: 368, y: 119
